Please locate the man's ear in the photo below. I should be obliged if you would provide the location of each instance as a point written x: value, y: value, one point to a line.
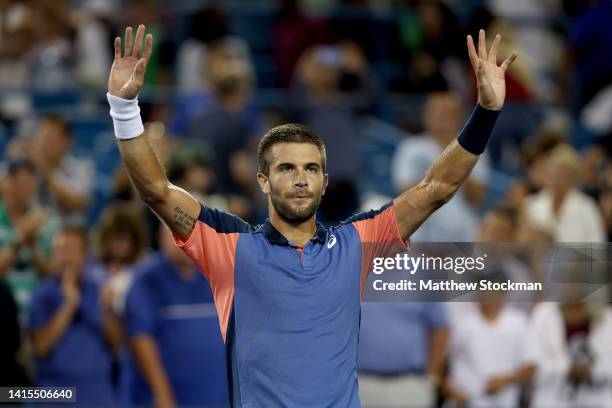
x: 325, y: 182
x: 264, y: 183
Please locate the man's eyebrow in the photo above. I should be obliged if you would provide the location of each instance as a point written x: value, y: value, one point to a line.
x: 288, y: 164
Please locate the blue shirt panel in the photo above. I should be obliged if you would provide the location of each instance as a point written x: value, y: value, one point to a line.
x: 297, y: 321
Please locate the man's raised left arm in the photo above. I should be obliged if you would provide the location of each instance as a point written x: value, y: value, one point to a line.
x: 448, y: 172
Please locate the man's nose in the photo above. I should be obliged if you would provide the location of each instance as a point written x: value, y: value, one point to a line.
x: 300, y: 179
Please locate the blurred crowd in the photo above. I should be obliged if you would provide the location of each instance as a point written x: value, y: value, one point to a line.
x: 93, y: 292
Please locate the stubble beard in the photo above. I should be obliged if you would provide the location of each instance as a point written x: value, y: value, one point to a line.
x: 291, y: 215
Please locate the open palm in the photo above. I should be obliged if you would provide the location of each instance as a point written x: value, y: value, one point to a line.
x: 490, y: 77
x: 127, y: 73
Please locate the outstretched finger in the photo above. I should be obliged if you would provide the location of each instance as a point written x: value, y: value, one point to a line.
x: 493, y: 51
x: 508, y: 61
x: 139, y: 71
x: 472, y: 51
x: 128, y: 42
x: 117, y: 48
x: 138, y: 41
x: 148, y: 47
x: 482, y: 45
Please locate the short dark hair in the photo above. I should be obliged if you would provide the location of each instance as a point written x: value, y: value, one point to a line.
x: 288, y: 133
x: 15, y: 164
x: 77, y: 230
x: 120, y: 219
x: 60, y: 121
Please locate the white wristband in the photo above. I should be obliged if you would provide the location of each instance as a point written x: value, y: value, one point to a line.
x: 126, y: 117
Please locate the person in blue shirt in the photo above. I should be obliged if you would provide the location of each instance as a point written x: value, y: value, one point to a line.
x: 401, y: 352
x: 288, y: 292
x: 73, y: 335
x: 177, y: 352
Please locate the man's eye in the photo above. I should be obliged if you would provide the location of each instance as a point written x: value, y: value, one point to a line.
x: 313, y: 169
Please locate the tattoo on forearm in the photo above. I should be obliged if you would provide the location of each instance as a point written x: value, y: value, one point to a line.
x: 183, y: 221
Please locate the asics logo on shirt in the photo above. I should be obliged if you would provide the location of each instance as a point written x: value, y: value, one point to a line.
x: 331, y: 242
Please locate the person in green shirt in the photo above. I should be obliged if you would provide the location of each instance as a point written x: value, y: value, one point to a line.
x: 26, y: 230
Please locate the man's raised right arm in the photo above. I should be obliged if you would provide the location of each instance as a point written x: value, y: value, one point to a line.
x: 177, y: 208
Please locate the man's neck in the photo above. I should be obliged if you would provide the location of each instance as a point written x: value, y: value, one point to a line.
x: 298, y: 234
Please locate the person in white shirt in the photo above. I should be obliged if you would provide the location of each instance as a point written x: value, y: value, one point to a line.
x: 574, y: 355
x: 489, y: 357
x: 442, y: 121
x: 561, y: 209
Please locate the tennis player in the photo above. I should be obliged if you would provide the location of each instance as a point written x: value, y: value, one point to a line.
x: 288, y: 292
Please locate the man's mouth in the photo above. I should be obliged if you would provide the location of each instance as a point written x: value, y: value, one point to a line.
x: 301, y: 195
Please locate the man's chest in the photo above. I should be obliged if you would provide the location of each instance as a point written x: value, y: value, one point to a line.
x: 318, y: 277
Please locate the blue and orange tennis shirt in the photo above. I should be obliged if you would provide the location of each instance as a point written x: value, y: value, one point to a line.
x: 290, y: 316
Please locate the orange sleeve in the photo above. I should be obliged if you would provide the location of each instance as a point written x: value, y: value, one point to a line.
x: 380, y: 237
x: 215, y: 254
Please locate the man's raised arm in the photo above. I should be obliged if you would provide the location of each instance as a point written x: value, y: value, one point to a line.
x: 453, y: 166
x: 177, y: 208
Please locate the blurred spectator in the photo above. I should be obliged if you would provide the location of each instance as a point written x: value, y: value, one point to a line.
x: 17, y: 36
x: 534, y: 151
x: 293, y: 32
x: 226, y: 119
x: 522, y: 114
x: 232, y: 86
x: 66, y: 182
x: 489, y: 357
x: 174, y: 333
x: 527, y: 29
x: 573, y: 354
x: 121, y: 242
x: 561, y: 209
x: 190, y: 168
x: 72, y: 332
x: 206, y: 26
x: 52, y: 55
x: 590, y: 69
x: 26, y: 230
x: 10, y: 342
x: 498, y: 229
x: 521, y: 80
x: 442, y: 119
x: 320, y: 102
x: 434, y: 47
x: 93, y: 42
x: 223, y: 125
x: 159, y: 67
x: 401, y: 353
x: 497, y: 226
